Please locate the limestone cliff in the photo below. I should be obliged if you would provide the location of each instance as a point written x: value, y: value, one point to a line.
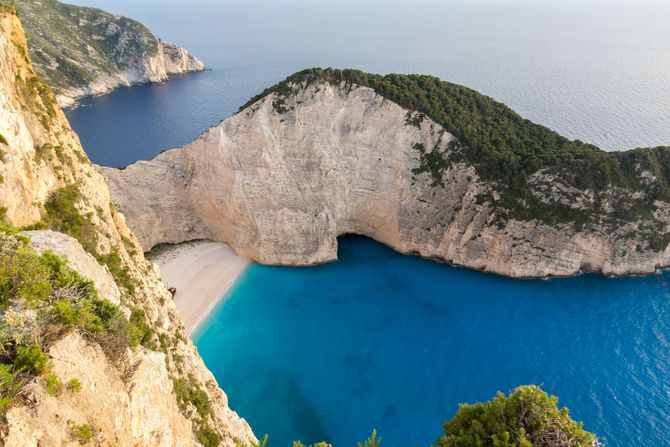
x: 316, y: 157
x: 85, y: 51
x: 157, y: 392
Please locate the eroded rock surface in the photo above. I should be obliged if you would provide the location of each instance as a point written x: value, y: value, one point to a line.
x: 283, y: 178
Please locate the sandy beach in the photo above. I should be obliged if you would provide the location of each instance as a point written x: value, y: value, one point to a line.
x: 201, y: 272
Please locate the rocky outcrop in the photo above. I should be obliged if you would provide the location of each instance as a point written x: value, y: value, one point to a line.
x: 127, y: 401
x: 140, y: 410
x: 83, y: 51
x: 78, y: 259
x: 282, y: 179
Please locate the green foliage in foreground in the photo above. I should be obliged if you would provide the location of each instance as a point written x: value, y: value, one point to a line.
x: 503, y: 146
x: 62, y: 215
x: 41, y: 300
x: 8, y: 7
x: 527, y: 417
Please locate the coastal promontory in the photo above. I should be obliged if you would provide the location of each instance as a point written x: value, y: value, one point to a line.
x: 424, y: 166
x: 82, y: 51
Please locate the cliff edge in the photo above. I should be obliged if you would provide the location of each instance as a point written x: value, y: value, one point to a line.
x: 92, y: 348
x: 424, y: 166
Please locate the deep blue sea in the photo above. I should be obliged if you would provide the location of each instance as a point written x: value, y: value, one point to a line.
x: 379, y: 340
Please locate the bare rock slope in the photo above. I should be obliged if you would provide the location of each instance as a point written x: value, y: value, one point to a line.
x: 317, y: 158
x: 146, y: 396
x: 82, y: 51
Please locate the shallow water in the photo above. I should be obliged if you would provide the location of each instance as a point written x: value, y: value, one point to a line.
x: 594, y: 70
x: 396, y: 343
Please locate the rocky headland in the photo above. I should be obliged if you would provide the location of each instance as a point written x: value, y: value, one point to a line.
x: 424, y: 166
x: 92, y: 348
x: 82, y: 51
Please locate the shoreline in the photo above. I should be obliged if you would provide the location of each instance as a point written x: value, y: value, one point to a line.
x: 202, y: 272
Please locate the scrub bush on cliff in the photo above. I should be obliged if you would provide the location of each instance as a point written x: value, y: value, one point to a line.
x: 41, y: 300
x: 527, y: 417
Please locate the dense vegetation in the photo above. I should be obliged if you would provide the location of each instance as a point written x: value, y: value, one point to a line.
x: 527, y: 417
x: 506, y: 148
x: 8, y: 7
x: 41, y: 300
x: 62, y: 215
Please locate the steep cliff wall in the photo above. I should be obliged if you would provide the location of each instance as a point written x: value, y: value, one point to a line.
x: 85, y: 51
x: 315, y: 158
x: 156, y: 393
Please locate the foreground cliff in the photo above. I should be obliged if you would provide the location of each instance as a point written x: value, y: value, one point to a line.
x: 92, y: 349
x: 423, y: 166
x: 85, y: 51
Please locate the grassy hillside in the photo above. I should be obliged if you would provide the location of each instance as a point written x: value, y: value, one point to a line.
x: 71, y: 46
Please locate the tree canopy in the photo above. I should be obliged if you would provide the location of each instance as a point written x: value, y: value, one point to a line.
x: 528, y: 417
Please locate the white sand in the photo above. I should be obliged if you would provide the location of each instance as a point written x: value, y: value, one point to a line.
x: 201, y: 272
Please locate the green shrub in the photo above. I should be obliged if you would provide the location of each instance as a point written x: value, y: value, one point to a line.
x: 207, y: 437
x: 73, y: 385
x: 22, y: 274
x: 10, y: 383
x: 118, y: 332
x: 7, y: 7
x: 141, y: 332
x: 372, y: 441
x: 3, y: 140
x: 527, y: 417
x: 43, y: 152
x: 62, y: 215
x: 119, y: 272
x: 318, y: 444
x: 52, y: 384
x: 66, y: 302
x: 262, y: 443
x: 188, y: 392
x: 31, y: 359
x: 81, y: 432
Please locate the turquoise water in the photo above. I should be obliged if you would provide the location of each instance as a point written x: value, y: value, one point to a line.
x: 396, y: 343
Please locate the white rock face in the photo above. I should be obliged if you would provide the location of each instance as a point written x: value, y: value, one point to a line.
x: 280, y: 187
x: 169, y: 60
x: 137, y: 410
